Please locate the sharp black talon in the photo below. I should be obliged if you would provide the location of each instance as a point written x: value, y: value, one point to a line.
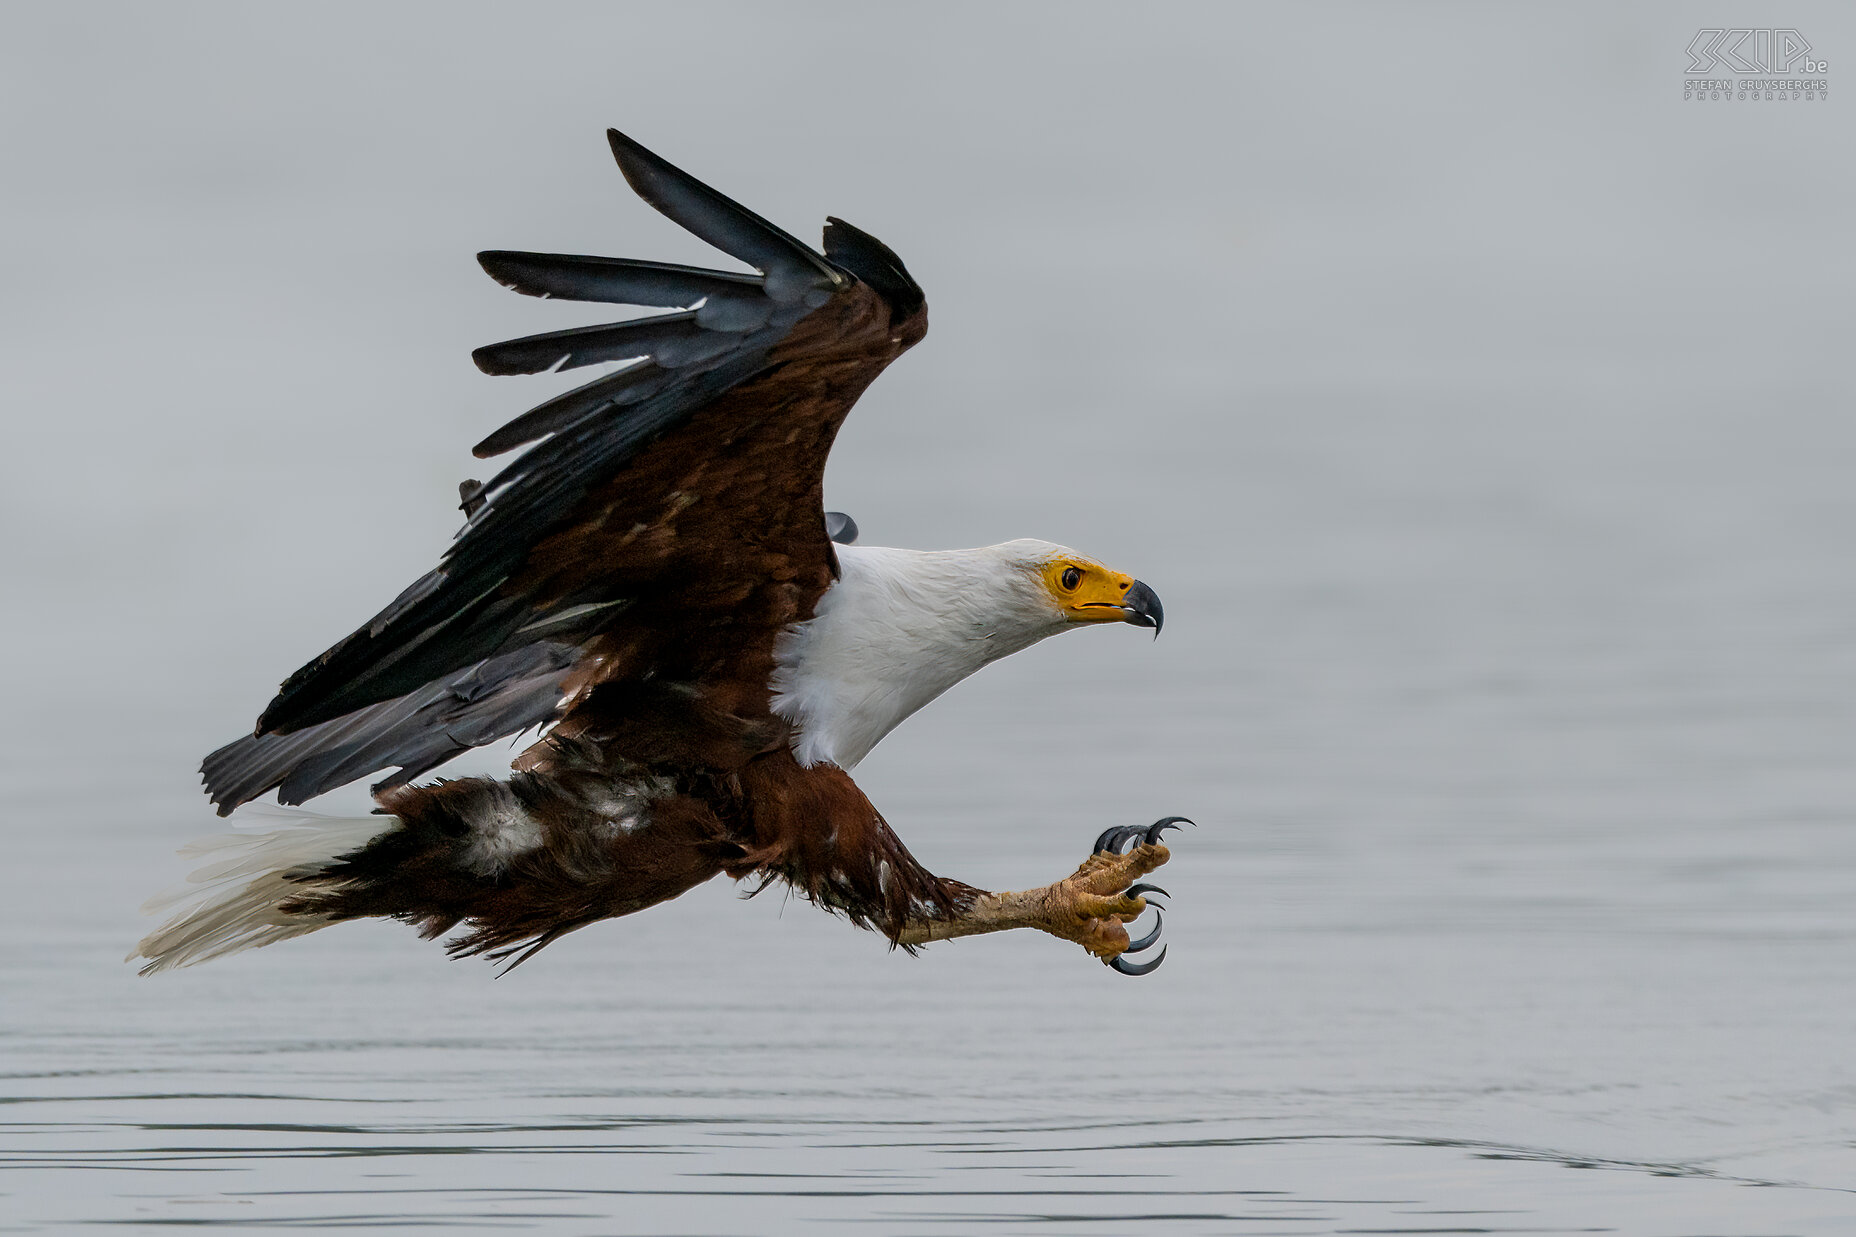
x: 1112, y: 839
x: 1126, y: 967
x: 1152, y: 836
x: 1147, y: 941
x: 1136, y: 890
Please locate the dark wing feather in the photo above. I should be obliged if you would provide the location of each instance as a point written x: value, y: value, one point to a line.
x: 876, y: 264
x: 614, y: 281
x: 672, y: 517
x: 417, y: 732
x: 670, y: 340
x: 628, y: 386
x: 793, y: 270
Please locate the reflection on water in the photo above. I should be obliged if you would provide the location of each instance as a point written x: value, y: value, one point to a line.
x: 683, y: 1175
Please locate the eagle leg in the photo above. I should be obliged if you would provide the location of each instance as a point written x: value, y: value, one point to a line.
x: 1091, y: 906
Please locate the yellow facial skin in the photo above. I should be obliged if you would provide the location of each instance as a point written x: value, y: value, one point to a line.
x: 1087, y: 592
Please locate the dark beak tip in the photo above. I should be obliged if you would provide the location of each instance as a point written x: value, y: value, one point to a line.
x: 1144, y: 608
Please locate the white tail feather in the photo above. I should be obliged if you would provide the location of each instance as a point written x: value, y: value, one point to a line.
x: 231, y: 904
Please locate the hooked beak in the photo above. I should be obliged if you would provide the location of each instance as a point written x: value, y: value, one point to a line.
x: 1142, y: 608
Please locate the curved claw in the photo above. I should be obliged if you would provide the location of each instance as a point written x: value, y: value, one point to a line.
x: 1120, y: 963
x: 1133, y: 891
x: 1135, y: 947
x: 1153, y: 832
x: 1112, y: 839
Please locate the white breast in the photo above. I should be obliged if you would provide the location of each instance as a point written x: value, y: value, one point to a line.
x: 898, y: 629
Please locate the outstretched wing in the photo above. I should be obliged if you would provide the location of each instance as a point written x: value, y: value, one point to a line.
x: 669, y: 521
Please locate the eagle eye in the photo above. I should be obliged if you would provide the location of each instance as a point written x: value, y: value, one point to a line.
x: 1071, y: 578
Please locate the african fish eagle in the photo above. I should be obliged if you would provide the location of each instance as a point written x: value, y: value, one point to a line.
x: 657, y: 582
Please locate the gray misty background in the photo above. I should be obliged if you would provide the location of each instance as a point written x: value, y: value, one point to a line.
x: 1479, y: 408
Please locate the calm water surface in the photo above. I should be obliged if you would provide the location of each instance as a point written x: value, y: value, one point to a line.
x: 1538, y: 925
x: 1510, y: 665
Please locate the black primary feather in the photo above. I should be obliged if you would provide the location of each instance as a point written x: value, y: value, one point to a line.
x: 868, y: 258
x: 628, y: 386
x: 417, y: 732
x: 791, y: 266
x: 612, y: 281
x: 670, y: 340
